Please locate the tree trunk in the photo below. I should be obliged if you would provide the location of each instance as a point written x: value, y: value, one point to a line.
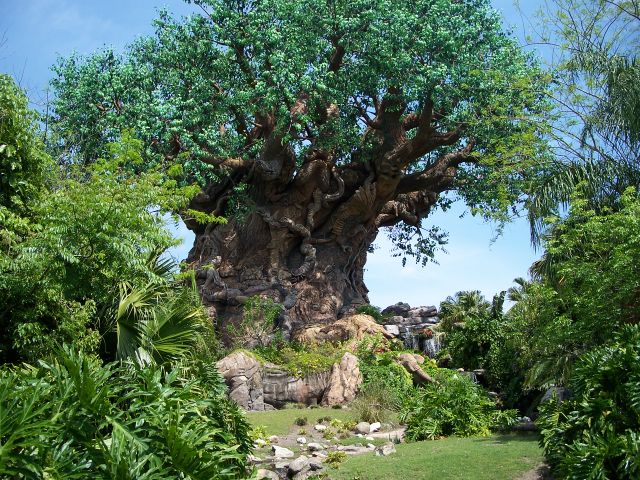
x: 258, y: 257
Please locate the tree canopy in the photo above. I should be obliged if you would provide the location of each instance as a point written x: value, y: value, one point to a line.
x: 252, y: 91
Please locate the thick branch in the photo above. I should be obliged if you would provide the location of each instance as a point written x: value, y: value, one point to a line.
x: 438, y: 176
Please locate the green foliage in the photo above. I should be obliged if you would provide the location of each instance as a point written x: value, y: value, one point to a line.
x: 586, y: 289
x: 596, y: 127
x: 454, y: 405
x: 194, y: 91
x: 335, y: 458
x: 301, y: 421
x: 257, y: 329
x: 594, y: 434
x: 372, y: 311
x: 73, y: 418
x: 23, y: 162
x: 375, y: 402
x: 158, y: 323
x: 301, y: 360
x: 93, y: 229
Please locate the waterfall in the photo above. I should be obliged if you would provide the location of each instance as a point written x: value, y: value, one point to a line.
x: 432, y: 346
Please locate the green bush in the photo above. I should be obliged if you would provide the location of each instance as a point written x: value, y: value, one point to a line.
x: 380, y: 372
x: 73, y: 418
x: 372, y: 311
x: 595, y: 434
x: 302, y: 359
x: 452, y: 406
x: 301, y: 421
x: 375, y: 402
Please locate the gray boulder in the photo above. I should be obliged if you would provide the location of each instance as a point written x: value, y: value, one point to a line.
x: 399, y: 308
x: 264, y: 474
x: 363, y: 428
x: 243, y: 375
x: 386, y: 449
x: 282, y: 452
x: 298, y: 465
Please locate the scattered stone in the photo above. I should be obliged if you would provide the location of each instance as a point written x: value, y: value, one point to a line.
x: 374, y: 427
x: 370, y: 439
x: 344, y: 381
x: 320, y: 428
x: 314, y: 447
x: 253, y: 459
x: 429, y: 311
x: 301, y: 440
x: 371, y: 446
x: 386, y: 449
x: 359, y: 435
x: 315, y: 464
x: 356, y: 449
x: 273, y: 439
x: 281, y: 452
x: 298, y: 465
x: 259, y: 442
x: 363, y: 428
x: 264, y: 474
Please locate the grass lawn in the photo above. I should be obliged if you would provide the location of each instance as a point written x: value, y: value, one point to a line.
x: 503, y: 457
x: 279, y: 422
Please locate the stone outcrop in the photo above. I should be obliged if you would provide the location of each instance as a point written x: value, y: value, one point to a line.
x: 263, y: 386
x: 243, y: 375
x: 280, y: 387
x: 411, y: 362
x: 353, y: 327
x: 344, y: 381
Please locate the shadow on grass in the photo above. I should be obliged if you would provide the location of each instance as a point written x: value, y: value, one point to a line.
x: 509, y: 438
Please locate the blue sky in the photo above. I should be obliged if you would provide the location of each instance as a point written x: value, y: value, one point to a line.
x: 35, y: 32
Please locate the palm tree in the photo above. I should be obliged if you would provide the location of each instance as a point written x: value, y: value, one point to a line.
x: 455, y: 311
x: 160, y: 321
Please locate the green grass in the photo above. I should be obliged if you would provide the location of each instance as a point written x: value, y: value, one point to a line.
x: 503, y: 457
x: 280, y: 422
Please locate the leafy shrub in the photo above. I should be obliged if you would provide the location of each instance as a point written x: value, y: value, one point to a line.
x: 302, y: 359
x: 595, y: 434
x: 381, y: 376
x: 372, y: 311
x: 335, y: 458
x: 301, y: 421
x: 73, y: 418
x: 452, y: 406
x: 374, y: 403
x: 257, y: 327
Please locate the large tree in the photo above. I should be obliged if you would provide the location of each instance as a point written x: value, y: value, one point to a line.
x: 310, y: 125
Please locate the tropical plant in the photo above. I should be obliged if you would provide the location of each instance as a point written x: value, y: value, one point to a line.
x: 73, y: 418
x: 158, y: 323
x: 456, y: 310
x: 596, y: 96
x: 453, y: 405
x: 594, y: 434
x: 94, y: 229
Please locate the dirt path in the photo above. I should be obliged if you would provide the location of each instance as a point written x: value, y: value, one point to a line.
x: 541, y: 472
